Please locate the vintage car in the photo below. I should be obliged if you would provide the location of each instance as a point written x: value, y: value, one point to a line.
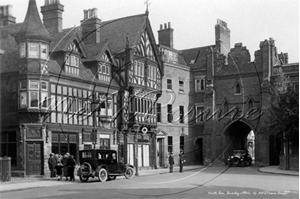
x: 240, y: 158
x: 102, y: 163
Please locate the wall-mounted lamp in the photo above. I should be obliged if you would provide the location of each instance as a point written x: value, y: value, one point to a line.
x: 47, y: 137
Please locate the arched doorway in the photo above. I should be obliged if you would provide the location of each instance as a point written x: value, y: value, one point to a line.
x: 239, y: 136
x: 198, y: 160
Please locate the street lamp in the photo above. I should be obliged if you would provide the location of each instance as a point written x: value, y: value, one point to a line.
x: 136, y: 128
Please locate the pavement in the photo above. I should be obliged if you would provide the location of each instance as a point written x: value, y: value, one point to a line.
x: 18, y: 183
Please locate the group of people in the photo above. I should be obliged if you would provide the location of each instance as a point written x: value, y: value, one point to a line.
x: 62, y: 166
x: 181, y: 161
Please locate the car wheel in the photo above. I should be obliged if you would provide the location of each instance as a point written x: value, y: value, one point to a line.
x: 83, y: 178
x: 102, y: 175
x: 112, y: 177
x: 129, y: 172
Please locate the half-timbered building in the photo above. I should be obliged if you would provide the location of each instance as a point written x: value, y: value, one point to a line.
x: 67, y: 89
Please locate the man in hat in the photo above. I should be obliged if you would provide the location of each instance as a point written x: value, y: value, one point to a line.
x: 52, y: 163
x: 181, y: 161
x: 64, y: 162
x: 171, y: 162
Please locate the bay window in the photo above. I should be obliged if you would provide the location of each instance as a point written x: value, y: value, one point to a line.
x: 33, y: 50
x: 22, y: 50
x: 33, y: 99
x: 33, y: 96
x: 44, y: 51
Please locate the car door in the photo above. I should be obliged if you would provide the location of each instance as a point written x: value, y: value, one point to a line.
x: 111, y: 162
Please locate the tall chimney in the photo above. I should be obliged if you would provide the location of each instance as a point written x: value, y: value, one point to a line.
x: 90, y: 27
x: 222, y: 37
x: 6, y: 17
x: 165, y: 35
x: 52, y: 15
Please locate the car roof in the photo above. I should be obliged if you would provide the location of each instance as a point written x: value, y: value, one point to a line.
x: 98, y: 150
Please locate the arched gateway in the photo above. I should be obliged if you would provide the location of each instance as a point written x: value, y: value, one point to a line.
x: 239, y: 135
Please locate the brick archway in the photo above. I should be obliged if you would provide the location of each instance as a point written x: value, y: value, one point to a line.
x: 235, y: 136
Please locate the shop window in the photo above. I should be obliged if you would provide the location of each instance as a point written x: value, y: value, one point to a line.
x: 104, y: 143
x: 9, y: 146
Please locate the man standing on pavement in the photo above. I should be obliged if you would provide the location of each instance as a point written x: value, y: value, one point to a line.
x: 52, y: 163
x: 181, y: 161
x: 171, y: 162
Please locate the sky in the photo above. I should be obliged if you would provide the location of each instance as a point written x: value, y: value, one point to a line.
x: 193, y: 21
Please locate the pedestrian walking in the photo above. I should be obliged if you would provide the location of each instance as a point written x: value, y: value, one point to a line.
x: 71, y: 166
x: 181, y: 161
x: 171, y: 162
x: 59, y: 167
x: 52, y: 163
x: 65, y: 166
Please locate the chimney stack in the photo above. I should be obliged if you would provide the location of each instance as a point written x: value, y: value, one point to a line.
x: 52, y: 15
x: 90, y: 26
x: 165, y: 35
x: 6, y: 17
x: 222, y: 36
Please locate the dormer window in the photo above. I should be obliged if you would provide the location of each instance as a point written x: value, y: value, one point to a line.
x: 104, y: 72
x: 72, y: 64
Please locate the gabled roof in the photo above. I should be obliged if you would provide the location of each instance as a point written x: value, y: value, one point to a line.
x: 32, y: 27
x: 196, y: 57
x: 94, y: 52
x: 62, y: 40
x: 115, y: 31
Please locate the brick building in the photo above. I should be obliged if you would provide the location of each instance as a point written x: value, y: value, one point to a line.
x: 225, y: 104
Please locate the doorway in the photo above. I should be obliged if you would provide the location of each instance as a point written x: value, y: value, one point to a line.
x: 160, y: 152
x: 199, y: 151
x: 34, y: 158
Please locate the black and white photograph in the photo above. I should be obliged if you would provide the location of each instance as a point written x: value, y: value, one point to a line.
x: 151, y: 99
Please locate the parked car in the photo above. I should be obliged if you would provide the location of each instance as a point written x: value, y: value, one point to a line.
x: 240, y: 158
x: 102, y: 163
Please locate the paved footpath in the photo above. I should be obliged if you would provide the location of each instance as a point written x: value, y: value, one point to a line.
x: 28, y: 183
